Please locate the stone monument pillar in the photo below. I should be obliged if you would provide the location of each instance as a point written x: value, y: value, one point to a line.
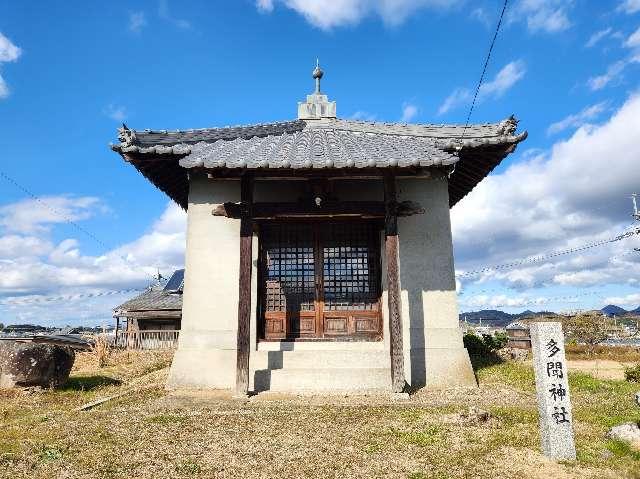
x: 552, y: 387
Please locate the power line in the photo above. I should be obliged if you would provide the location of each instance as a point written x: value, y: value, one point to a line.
x: 68, y: 220
x: 18, y: 301
x: 53, y: 210
x: 484, y: 68
x: 543, y: 257
x: 540, y: 301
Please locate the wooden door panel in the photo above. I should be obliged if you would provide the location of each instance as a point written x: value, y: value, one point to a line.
x: 336, y: 325
x: 302, y: 324
x: 320, y: 280
x: 351, y: 279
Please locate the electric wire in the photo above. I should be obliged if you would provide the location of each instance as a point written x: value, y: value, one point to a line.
x: 66, y: 219
x: 484, y: 68
x: 546, y: 256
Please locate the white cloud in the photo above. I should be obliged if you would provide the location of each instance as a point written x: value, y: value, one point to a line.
x: 575, y: 194
x: 630, y: 6
x: 327, y: 14
x: 634, y: 40
x: 264, y: 5
x: 627, y: 300
x: 457, y: 98
x: 137, y: 20
x: 508, y: 76
x: 33, y: 216
x: 363, y: 115
x: 8, y: 53
x: 33, y: 264
x: 481, y: 15
x: 483, y: 301
x: 548, y: 16
x: 116, y: 112
x: 613, y: 73
x: 4, y: 89
x: 409, y: 112
x: 578, y: 119
x: 597, y: 36
x: 165, y: 14
x: 13, y: 246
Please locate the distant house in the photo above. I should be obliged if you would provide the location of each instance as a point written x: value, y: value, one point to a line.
x: 23, y: 329
x: 159, y: 308
x: 518, y: 334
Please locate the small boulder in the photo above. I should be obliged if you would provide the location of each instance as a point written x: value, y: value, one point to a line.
x: 475, y: 415
x: 513, y: 354
x: 27, y: 364
x: 628, y: 432
x: 518, y: 354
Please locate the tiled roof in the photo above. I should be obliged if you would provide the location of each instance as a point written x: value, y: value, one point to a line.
x: 518, y: 325
x: 330, y: 143
x: 152, y: 300
x: 319, y: 148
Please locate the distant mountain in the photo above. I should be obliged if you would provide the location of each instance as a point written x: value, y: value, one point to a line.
x: 613, y: 310
x: 494, y: 317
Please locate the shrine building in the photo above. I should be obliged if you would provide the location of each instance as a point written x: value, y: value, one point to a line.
x: 319, y: 253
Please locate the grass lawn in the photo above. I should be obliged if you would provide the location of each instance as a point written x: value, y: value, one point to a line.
x: 151, y: 433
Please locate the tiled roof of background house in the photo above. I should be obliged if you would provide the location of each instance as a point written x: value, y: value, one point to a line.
x: 155, y: 298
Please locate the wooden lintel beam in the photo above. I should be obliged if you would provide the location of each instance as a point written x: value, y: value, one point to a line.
x: 359, y: 209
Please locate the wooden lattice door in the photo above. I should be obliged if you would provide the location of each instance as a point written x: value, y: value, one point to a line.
x: 320, y: 280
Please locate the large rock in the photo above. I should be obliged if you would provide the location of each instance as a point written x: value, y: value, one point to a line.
x: 628, y: 432
x: 32, y: 364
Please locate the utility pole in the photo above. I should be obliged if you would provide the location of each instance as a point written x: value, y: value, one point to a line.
x: 636, y: 213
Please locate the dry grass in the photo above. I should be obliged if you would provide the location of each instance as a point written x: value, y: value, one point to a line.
x: 152, y: 433
x: 624, y: 354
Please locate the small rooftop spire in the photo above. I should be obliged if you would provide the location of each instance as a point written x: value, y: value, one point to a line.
x: 317, y: 75
x: 317, y: 105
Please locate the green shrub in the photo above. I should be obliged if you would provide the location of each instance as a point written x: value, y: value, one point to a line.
x: 485, y: 345
x: 501, y: 339
x: 474, y: 344
x: 632, y: 374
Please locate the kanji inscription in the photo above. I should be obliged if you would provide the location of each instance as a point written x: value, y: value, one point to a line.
x: 554, y: 405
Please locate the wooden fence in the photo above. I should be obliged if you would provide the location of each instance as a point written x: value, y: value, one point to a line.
x: 147, y: 339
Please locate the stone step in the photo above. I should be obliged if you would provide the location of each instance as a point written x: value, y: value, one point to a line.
x: 321, y: 346
x: 332, y: 359
x: 321, y: 380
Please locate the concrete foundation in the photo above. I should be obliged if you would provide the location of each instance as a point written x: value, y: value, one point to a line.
x: 433, y: 349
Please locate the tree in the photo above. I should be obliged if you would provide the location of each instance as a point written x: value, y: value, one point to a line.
x: 1, y: 326
x: 587, y: 328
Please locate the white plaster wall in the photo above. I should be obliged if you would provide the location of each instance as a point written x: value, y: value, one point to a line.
x: 206, y: 355
x: 206, y: 352
x: 432, y: 340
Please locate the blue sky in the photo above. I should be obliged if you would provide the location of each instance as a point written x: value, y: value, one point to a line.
x: 70, y: 74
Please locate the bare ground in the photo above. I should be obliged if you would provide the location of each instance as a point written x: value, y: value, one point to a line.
x: 153, y: 433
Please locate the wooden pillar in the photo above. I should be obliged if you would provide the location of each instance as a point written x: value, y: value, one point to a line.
x: 393, y: 284
x: 117, y: 329
x: 244, y: 291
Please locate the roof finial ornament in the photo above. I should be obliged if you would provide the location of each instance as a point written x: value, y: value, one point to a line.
x: 317, y: 105
x: 317, y: 75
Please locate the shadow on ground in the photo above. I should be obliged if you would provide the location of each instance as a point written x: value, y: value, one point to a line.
x: 481, y: 361
x: 88, y: 383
